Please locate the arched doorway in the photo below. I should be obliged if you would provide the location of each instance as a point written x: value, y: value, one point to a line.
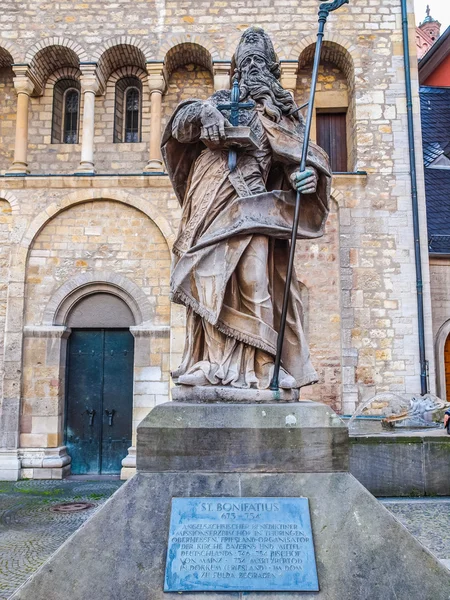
x: 99, y: 384
x: 447, y: 366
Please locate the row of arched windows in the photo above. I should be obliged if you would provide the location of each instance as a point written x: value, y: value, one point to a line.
x: 127, y: 112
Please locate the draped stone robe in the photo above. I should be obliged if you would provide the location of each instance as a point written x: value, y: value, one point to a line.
x: 231, y: 253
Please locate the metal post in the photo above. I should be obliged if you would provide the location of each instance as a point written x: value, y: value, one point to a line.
x: 415, y: 202
x: 324, y: 11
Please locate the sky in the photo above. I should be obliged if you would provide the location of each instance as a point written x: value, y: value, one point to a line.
x: 440, y: 10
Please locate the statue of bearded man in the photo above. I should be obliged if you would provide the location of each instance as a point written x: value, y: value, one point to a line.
x: 231, y: 253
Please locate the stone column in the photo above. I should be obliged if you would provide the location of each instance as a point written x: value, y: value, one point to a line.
x: 89, y: 87
x: 151, y: 380
x: 42, y: 451
x: 288, y: 79
x: 222, y: 75
x: 157, y: 86
x: 24, y: 87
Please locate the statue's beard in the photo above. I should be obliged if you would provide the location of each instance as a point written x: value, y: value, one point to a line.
x: 262, y: 86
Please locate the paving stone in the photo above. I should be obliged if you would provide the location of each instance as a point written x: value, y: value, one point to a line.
x: 428, y: 520
x: 30, y: 532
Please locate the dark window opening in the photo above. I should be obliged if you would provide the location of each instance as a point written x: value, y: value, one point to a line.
x: 132, y: 115
x: 127, y: 110
x: 72, y: 102
x: 332, y: 137
x: 66, y: 112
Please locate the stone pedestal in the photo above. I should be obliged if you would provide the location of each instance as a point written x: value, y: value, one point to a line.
x: 305, y: 437
x: 45, y: 463
x: 9, y: 465
x: 242, y: 450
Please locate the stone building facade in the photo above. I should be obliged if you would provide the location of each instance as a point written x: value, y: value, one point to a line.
x: 94, y: 219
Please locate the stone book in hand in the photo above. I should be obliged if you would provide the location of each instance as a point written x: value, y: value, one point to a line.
x: 236, y: 137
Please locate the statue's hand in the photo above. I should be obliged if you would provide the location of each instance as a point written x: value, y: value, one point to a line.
x: 305, y: 181
x: 213, y: 123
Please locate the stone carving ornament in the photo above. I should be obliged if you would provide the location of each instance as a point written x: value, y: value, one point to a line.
x: 231, y: 253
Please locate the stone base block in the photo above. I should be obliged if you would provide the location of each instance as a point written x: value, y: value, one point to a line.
x: 9, y: 465
x: 60, y: 473
x: 217, y: 393
x: 154, y: 165
x: 127, y: 473
x: 402, y: 464
x: 299, y: 437
x: 45, y: 463
x: 129, y: 464
x: 362, y: 551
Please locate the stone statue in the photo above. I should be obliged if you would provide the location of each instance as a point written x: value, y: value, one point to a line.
x: 422, y: 412
x: 231, y: 251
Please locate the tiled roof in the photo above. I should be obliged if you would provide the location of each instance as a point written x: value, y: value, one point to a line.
x: 435, y: 113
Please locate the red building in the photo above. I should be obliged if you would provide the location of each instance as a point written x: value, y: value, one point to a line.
x: 434, y: 67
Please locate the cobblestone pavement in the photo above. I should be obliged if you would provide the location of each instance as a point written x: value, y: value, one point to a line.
x: 428, y: 519
x: 30, y: 531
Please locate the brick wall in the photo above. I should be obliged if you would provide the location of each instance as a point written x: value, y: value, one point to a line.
x: 5, y: 243
x: 44, y: 156
x: 106, y: 237
x: 8, y: 101
x: 331, y: 79
x: 189, y: 81
x: 98, y: 236
x: 317, y: 267
x: 120, y: 157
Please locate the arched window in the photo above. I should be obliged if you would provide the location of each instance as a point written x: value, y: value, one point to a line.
x: 127, y: 114
x: 131, y: 133
x: 333, y: 126
x: 71, y: 109
x: 66, y: 112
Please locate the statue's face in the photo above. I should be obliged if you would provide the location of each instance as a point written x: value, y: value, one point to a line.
x: 254, y: 65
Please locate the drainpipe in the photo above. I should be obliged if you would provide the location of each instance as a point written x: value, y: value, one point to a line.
x: 415, y: 204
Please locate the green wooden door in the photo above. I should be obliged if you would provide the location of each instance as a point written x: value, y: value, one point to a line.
x: 99, y: 399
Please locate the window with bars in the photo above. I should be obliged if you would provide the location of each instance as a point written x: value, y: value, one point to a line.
x: 127, y: 113
x: 131, y: 133
x: 66, y: 112
x: 71, y: 109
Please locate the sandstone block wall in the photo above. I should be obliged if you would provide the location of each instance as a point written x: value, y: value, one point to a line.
x: 359, y: 279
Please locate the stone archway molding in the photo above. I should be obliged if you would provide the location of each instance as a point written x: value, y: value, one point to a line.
x: 198, y: 39
x: 85, y: 284
x: 311, y: 40
x: 338, y: 197
x: 12, y: 49
x: 81, y: 196
x: 123, y: 40
x: 64, y: 73
x: 11, y: 199
x: 57, y: 41
x: 441, y: 338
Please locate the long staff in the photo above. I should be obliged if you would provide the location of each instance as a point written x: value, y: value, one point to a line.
x: 324, y: 11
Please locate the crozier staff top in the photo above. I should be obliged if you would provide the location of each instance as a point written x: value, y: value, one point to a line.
x: 326, y: 7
